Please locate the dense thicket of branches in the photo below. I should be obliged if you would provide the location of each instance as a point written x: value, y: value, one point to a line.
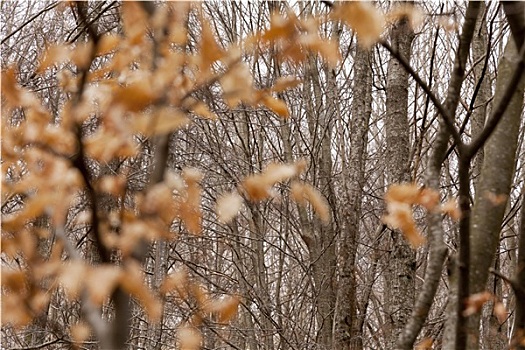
x: 263, y: 175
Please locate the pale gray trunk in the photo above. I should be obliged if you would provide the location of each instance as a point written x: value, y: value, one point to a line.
x: 400, y: 275
x: 494, y: 186
x: 347, y: 331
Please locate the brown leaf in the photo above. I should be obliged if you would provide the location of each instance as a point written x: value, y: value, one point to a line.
x: 107, y: 43
x: 475, y: 302
x: 135, y: 96
x: 451, y: 208
x: 276, y: 105
x: 237, y: 85
x: 101, y: 281
x: 428, y: 198
x: 407, y: 193
x: 225, y: 308
x: 302, y: 193
x: 425, y: 344
x: 496, y: 199
x: 72, y: 278
x: 284, y: 83
x: 227, y: 206
x: 405, y: 10
x: 176, y: 281
x: 202, y: 109
x: 131, y: 280
x: 501, y: 312
x: 54, y: 54
x: 210, y: 51
x: 80, y: 332
x: 364, y: 18
x: 190, y: 338
x: 400, y: 217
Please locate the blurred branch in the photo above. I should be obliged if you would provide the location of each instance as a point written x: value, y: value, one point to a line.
x: 49, y: 8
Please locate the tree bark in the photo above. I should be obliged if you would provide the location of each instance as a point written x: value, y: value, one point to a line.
x: 347, y: 332
x: 400, y: 277
x: 495, y: 183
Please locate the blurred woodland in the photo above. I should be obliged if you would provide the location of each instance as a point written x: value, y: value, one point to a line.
x: 262, y: 175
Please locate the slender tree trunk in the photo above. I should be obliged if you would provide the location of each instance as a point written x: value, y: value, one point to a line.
x: 347, y: 332
x: 494, y: 186
x: 518, y: 336
x: 400, y: 277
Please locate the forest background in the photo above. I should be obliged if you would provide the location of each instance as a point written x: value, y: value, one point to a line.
x: 263, y: 175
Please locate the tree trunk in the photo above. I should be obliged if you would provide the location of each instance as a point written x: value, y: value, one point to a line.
x: 400, y: 277
x: 494, y: 186
x: 347, y: 332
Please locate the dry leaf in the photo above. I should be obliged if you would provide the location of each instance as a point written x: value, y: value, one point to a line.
x: 177, y: 281
x: 501, y: 312
x: 135, y: 96
x: 302, y: 193
x: 425, y: 344
x: 276, y: 105
x: 225, y: 308
x: 114, y: 185
x: 72, y: 278
x: 475, y: 302
x: 405, y: 10
x: 256, y: 187
x: 496, y: 199
x: 131, y: 281
x: 227, y: 206
x: 107, y: 43
x: 101, y: 281
x: 210, y: 51
x: 202, y: 109
x: 364, y: 18
x: 55, y: 54
x: 80, y: 332
x: 284, y: 83
x: 237, y: 85
x: 451, y: 208
x: 190, y: 338
x: 400, y: 217
x: 407, y: 193
x: 428, y: 198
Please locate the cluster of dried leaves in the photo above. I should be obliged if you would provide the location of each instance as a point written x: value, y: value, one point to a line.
x: 401, y: 198
x: 142, y: 86
x: 145, y: 84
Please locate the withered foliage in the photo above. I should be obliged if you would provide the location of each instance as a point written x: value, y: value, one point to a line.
x: 146, y: 84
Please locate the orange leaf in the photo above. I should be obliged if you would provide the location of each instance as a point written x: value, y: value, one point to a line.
x: 364, y: 18
x: 135, y: 96
x: 451, y: 208
x: 400, y: 217
x: 190, y: 338
x: 302, y: 193
x: 406, y: 193
x: 475, y: 302
x: 227, y: 206
x: 101, y: 281
x: 425, y: 344
x: 54, y: 55
x: 203, y: 110
x: 80, y: 332
x: 107, y: 43
x: 501, y: 312
x: 177, y: 281
x: 278, y: 106
x: 285, y: 83
x: 210, y: 51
